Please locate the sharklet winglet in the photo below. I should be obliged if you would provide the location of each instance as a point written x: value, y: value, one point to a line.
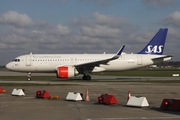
x: 119, y: 52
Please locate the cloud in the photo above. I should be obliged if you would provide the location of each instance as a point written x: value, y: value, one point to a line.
x: 24, y: 35
x: 63, y: 30
x: 82, y: 21
x: 109, y: 20
x: 100, y: 31
x: 160, y: 2
x: 105, y: 29
x: 172, y: 19
x: 99, y: 2
x: 103, y: 2
x: 84, y: 34
x: 16, y: 19
x: 102, y: 26
x: 94, y: 35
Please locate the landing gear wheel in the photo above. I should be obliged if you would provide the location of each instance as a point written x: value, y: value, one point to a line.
x: 29, y: 79
x: 29, y: 76
x: 86, y: 77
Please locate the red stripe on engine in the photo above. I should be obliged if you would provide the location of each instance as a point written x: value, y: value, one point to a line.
x: 63, y: 72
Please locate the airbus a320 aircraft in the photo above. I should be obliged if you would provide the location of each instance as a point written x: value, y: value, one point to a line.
x: 70, y: 65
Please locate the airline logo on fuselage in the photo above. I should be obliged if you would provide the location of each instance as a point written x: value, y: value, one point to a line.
x: 154, y: 49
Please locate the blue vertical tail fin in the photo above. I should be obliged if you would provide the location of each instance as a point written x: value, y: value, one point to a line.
x: 156, y: 45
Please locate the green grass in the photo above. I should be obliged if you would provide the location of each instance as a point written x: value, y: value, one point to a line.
x: 23, y: 78
x: 35, y: 84
x: 143, y: 72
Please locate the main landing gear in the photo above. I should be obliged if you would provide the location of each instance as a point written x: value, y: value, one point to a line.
x: 86, y: 77
x: 29, y: 77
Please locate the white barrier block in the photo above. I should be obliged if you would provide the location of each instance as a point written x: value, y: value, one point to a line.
x: 137, y: 101
x: 175, y: 75
x: 74, y: 96
x: 18, y: 92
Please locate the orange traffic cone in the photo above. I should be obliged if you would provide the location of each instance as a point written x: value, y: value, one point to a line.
x: 87, y: 96
x: 129, y: 95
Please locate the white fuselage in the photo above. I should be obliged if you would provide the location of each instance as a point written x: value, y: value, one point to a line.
x: 49, y: 62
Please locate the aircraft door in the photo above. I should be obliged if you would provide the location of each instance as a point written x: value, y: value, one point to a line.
x: 28, y: 60
x: 139, y: 60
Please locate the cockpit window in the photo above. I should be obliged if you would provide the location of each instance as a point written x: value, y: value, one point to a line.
x: 16, y: 60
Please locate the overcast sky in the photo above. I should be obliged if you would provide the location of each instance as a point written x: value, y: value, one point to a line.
x: 85, y: 26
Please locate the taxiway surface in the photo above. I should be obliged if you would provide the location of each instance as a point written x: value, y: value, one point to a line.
x: 30, y: 108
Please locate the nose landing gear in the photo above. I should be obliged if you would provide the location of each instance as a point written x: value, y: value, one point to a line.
x: 29, y: 77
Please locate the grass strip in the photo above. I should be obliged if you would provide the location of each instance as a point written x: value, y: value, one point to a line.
x: 35, y: 84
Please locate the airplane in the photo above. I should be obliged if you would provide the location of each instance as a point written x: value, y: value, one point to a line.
x: 71, y: 65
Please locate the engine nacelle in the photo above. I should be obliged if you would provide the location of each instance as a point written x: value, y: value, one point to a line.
x: 66, y: 72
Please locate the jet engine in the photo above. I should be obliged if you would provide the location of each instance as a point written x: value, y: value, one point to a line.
x: 66, y: 72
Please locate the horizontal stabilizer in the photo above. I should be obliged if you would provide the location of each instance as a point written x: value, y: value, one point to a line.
x: 166, y: 56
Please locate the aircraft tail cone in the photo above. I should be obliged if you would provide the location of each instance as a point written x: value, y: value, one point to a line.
x: 87, y: 96
x: 129, y: 95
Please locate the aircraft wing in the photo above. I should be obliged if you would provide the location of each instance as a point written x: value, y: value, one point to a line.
x: 90, y: 65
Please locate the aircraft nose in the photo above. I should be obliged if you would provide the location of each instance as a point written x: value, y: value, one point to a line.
x: 9, y: 66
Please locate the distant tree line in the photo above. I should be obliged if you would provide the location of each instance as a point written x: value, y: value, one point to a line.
x: 169, y: 63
